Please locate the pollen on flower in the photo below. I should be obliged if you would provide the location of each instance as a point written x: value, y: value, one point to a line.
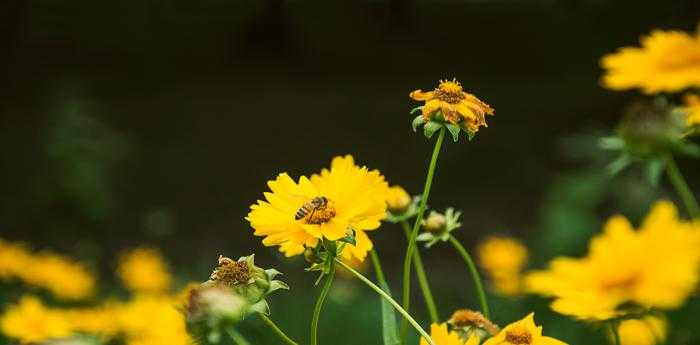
x: 231, y: 272
x: 320, y: 215
x: 519, y: 337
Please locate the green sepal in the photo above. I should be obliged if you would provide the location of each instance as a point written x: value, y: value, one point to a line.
x: 618, y: 164
x: 349, y: 239
x: 654, y: 169
x: 414, y: 110
x: 261, y: 307
x: 470, y: 134
x: 430, y: 128
x: 417, y: 122
x: 454, y: 130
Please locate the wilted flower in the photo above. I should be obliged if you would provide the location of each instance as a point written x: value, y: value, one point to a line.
x: 469, y: 322
x: 523, y: 332
x: 668, y: 61
x: 342, y: 202
x: 625, y: 270
x: 503, y: 259
x: 442, y: 336
x: 30, y: 321
x: 649, y: 330
x: 438, y: 226
x: 144, y: 270
x: 450, y: 106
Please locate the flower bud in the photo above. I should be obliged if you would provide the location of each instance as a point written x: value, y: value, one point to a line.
x: 398, y: 200
x: 435, y: 222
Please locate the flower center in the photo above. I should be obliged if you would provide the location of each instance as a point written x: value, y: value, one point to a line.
x: 622, y: 283
x: 519, y: 337
x: 231, y: 272
x: 318, y: 212
x: 449, y: 91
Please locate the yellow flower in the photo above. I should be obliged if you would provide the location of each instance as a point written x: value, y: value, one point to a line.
x: 456, y: 106
x: 63, y: 277
x: 14, y: 258
x: 647, y: 331
x: 98, y: 320
x: 503, y: 258
x: 397, y: 199
x: 29, y: 322
x: 441, y: 336
x: 692, y: 109
x: 654, y: 267
x: 668, y: 61
x: 328, y: 205
x: 153, y: 320
x: 144, y: 270
x: 523, y: 332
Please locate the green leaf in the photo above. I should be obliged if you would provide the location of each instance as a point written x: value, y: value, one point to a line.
x: 390, y: 332
x: 454, y: 130
x: 430, y: 128
x: 417, y: 122
x: 414, y: 110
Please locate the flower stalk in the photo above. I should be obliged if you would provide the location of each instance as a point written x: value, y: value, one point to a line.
x: 237, y: 337
x: 681, y: 186
x: 320, y: 301
x: 414, y: 232
x: 475, y: 276
x: 388, y: 298
x: 286, y: 339
x: 422, y: 278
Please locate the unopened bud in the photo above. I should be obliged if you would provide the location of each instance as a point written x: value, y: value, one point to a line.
x: 435, y: 222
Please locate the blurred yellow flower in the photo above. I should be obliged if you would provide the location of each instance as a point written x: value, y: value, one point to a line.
x: 30, y: 321
x: 455, y: 105
x: 441, y: 336
x: 523, y: 332
x: 99, y: 320
x: 691, y: 106
x: 346, y: 197
x: 153, y: 320
x: 654, y: 267
x: 503, y: 258
x: 647, y: 331
x: 144, y: 270
x: 14, y: 258
x: 667, y: 61
x: 397, y: 199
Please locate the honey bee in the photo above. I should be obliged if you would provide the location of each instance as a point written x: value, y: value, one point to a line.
x: 308, y: 209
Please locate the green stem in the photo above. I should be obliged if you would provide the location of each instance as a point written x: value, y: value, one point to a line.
x: 388, y: 298
x: 419, y: 217
x: 236, y: 337
x: 422, y: 278
x: 277, y: 330
x: 378, y: 268
x: 681, y: 186
x: 614, y: 327
x: 319, y: 303
x: 475, y: 276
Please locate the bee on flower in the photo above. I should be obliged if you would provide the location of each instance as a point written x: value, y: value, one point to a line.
x: 344, y: 201
x: 448, y: 105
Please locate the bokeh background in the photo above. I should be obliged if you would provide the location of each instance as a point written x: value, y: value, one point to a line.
x: 159, y: 122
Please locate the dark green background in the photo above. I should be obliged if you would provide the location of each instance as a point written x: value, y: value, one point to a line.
x: 159, y: 122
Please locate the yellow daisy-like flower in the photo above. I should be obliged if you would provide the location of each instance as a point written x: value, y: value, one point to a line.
x: 523, y: 332
x: 503, y: 258
x: 442, y: 336
x: 654, y: 267
x: 153, y: 320
x: 144, y: 270
x: 30, y: 321
x: 14, y: 258
x: 456, y: 106
x: 691, y: 107
x: 667, y: 61
x: 650, y: 330
x: 62, y: 276
x: 330, y: 205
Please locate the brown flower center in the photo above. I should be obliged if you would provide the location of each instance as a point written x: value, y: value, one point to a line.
x: 317, y: 211
x: 519, y: 337
x: 464, y: 318
x: 449, y: 91
x: 231, y: 272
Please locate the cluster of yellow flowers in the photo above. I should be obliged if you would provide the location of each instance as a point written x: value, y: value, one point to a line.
x: 64, y: 277
x: 150, y: 317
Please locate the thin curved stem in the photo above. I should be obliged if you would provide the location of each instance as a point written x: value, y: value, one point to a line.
x: 422, y: 277
x: 475, y: 276
x: 236, y: 337
x: 388, y: 298
x: 378, y: 268
x: 406, y: 302
x: 614, y: 327
x: 319, y: 303
x: 681, y: 186
x: 277, y: 330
